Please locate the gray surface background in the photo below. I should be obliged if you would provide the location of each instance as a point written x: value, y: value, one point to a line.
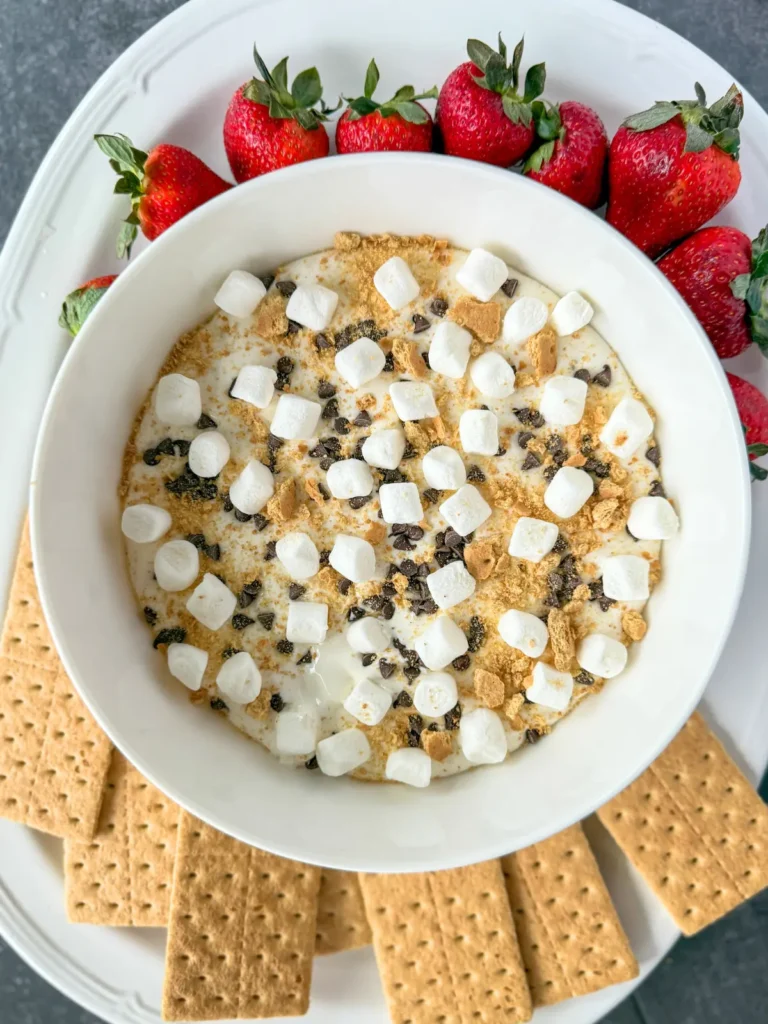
x: 51, y: 52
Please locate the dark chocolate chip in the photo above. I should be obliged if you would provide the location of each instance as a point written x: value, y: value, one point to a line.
x: 284, y: 647
x: 150, y: 616
x: 293, y: 328
x: 295, y: 591
x: 229, y: 652
x: 321, y: 342
x: 386, y: 668
x: 529, y: 417
x: 355, y: 613
x: 560, y: 545
x: 276, y: 702
x: 501, y: 450
x: 532, y: 736
x: 587, y: 444
x: 523, y: 438
x: 389, y: 363
x: 584, y: 679
x: 550, y: 472
x: 330, y: 410
x: 242, y: 517
x: 475, y: 475
x: 431, y: 496
x: 181, y: 448
x: 387, y: 610
x: 420, y: 323
x: 267, y: 280
x: 554, y: 443
x: 205, y: 422
x: 363, y: 419
x: 657, y: 490
x: 274, y: 443
x: 240, y: 621
x: 260, y: 522
x: 325, y: 557
x: 360, y: 501
x: 270, y: 551
x: 266, y: 619
x: 414, y: 532
x: 367, y: 659
x: 408, y: 567
x: 583, y: 374
x: 425, y: 357
x: 510, y: 287
x: 600, y: 469
x: 409, y: 452
x: 341, y: 425
x: 411, y: 671
x: 452, y: 718
x: 605, y: 603
x: 286, y: 288
x: 531, y: 461
x: 400, y: 646
x: 374, y: 602
x: 343, y: 586
x: 402, y: 543
x: 653, y: 454
x: 218, y: 704
x: 415, y: 728
x: 461, y: 664
x: 603, y: 377
x: 151, y: 457
x: 403, y: 699
x: 439, y: 307
x: 173, y: 635
x: 212, y: 551
x: 325, y: 390
x: 475, y: 634
x: 196, y: 539
x: 311, y: 763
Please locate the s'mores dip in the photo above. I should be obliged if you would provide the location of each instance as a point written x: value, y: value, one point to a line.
x: 394, y: 509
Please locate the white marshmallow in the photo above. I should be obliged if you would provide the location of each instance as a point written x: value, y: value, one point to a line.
x: 652, y: 519
x: 563, y: 400
x: 298, y: 555
x: 569, y: 490
x: 177, y: 564
x: 465, y: 510
x: 442, y: 468
x: 479, y: 432
x: 409, y: 765
x: 252, y: 489
x: 177, y: 400
x: 187, y: 664
x: 240, y: 293
x: 449, y: 351
x: 532, y: 539
x: 368, y: 702
x: 524, y: 632
x: 440, y: 643
x: 312, y: 306
x: 343, y: 752
x: 349, y: 478
x: 144, y: 524
x: 628, y: 426
x: 296, y: 731
x: 550, y: 688
x: 211, y: 602
x: 481, y: 737
x: 384, y: 448
x: 360, y: 362
x: 492, y: 375
x: 524, y: 318
x: 368, y: 636
x: 395, y: 283
x: 295, y: 418
x: 413, y: 400
x: 571, y: 313
x: 255, y: 385
x: 482, y: 274
x: 239, y: 678
x: 435, y: 694
x: 353, y: 557
x: 208, y: 453
x: 400, y: 503
x: 625, y: 578
x: 307, y: 622
x: 601, y: 655
x: 451, y: 585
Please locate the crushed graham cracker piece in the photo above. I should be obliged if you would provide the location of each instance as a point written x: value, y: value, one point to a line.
x: 417, y: 437
x: 489, y: 688
x: 542, y: 350
x: 577, y: 460
x: 437, y: 744
x: 375, y: 533
x: 312, y: 487
x: 524, y: 380
x: 480, y: 558
x: 408, y: 359
x: 561, y: 639
x: 347, y: 241
x: 503, y: 492
x: 483, y: 319
x: 618, y: 474
x: 259, y: 708
x: 581, y: 593
x: 609, y: 514
x: 282, y: 505
x: 271, y: 321
x: 435, y: 428
x: 513, y: 706
x: 367, y: 401
x: 509, y: 665
x: 608, y: 489
x: 634, y: 625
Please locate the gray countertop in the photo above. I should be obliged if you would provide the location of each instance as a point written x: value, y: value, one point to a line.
x: 51, y: 52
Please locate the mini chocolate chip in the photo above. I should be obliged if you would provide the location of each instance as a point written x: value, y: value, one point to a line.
x: 403, y: 699
x: 212, y: 551
x: 552, y: 600
x: 531, y: 461
x: 428, y: 606
x: 475, y: 634
x: 389, y: 363
x: 151, y: 457
x: 550, y: 472
x: 408, y: 567
x: 355, y: 613
x: 165, y: 447
x: 392, y: 571
x: 452, y: 718
x: 327, y: 462
x: 284, y: 647
x: 583, y: 374
x: 285, y: 365
x: 425, y: 357
x: 560, y: 545
x: 411, y: 671
x: 587, y: 444
x: 415, y: 727
x: 510, y: 287
x: 523, y: 438
x: 532, y: 736
x: 325, y: 390
x: 321, y: 342
x: 402, y: 543
x: 330, y: 410
x: 286, y: 288
x: 603, y: 377
x: 439, y: 307
x: 341, y: 425
x: 414, y: 533
x: 400, y: 646
x: 409, y: 452
x: 501, y: 451
x: 270, y: 551
x: 584, y: 679
x: 387, y: 610
x: 420, y: 323
x: 529, y: 417
x: 267, y: 280
x: 431, y: 496
x: 274, y: 443
x: 367, y: 659
x: 374, y: 602
x: 653, y: 454
x: 244, y: 599
x: 218, y: 704
x: 197, y: 540
x: 295, y: 591
x: 205, y: 422
x: 559, y: 457
x: 229, y: 652
x: 461, y: 664
x: 241, y: 621
x: 363, y: 419
x: 393, y: 476
x: 423, y: 570
x: 150, y: 616
x: 266, y: 619
x: 241, y: 517
x: 343, y: 586
x: 475, y: 475
x: 276, y: 702
x: 260, y: 522
x: 605, y: 603
x: 657, y: 490
x: 398, y: 528
x: 311, y: 764
x: 453, y: 539
x: 325, y: 557
x: 182, y: 449
x: 293, y: 328
x: 172, y: 635
x: 554, y: 443
x: 386, y: 668
x: 555, y: 581
x: 360, y: 501
x: 433, y: 727
x: 600, y: 469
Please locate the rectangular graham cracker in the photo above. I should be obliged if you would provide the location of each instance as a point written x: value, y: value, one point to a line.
x: 241, y: 932
x: 446, y: 946
x: 694, y: 828
x: 341, y: 920
x: 570, y: 936
x: 123, y: 876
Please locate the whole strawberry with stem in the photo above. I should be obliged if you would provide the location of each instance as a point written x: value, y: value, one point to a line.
x: 723, y: 276
x: 673, y: 167
x: 752, y: 406
x: 401, y: 123
x: 480, y: 111
x: 268, y: 126
x: 79, y: 304
x: 163, y: 185
x: 570, y: 157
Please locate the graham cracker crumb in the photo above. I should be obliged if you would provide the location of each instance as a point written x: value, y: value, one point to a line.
x: 347, y: 241
x: 561, y: 639
x: 618, y: 473
x: 513, y: 706
x: 581, y: 593
x: 259, y: 708
x: 609, y: 514
x: 408, y: 359
x: 367, y: 401
x: 577, y: 460
x: 375, y: 533
x: 503, y: 492
x: 542, y: 350
x: 509, y: 665
x: 418, y: 437
x: 480, y: 558
x: 634, y: 625
x: 437, y: 744
x: 524, y: 380
x: 607, y: 489
x: 312, y: 487
x: 282, y: 505
x: 434, y: 427
x: 483, y: 319
x: 271, y: 321
x: 489, y: 688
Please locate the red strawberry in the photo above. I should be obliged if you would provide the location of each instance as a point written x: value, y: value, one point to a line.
x: 164, y: 185
x: 78, y: 305
x: 673, y: 167
x: 480, y: 113
x: 268, y: 126
x: 752, y: 406
x: 571, y: 158
x: 399, y: 124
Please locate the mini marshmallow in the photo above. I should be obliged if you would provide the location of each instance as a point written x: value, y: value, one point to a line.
x: 523, y: 319
x: 368, y: 702
x: 601, y: 655
x: 384, y: 449
x: 550, y: 688
x: 465, y: 510
x: 449, y: 351
x: 177, y: 564
x: 395, y: 283
x: 252, y: 489
x: 208, y: 453
x: 413, y: 400
x: 295, y: 418
x: 368, y: 636
x: 349, y: 478
x: 482, y: 738
x: 443, y: 469
x: 400, y: 503
x: 625, y: 578
x: 628, y: 426
x: 440, y: 643
x: 409, y: 765
x: 532, y: 539
x: 571, y: 313
x: 144, y: 524
x: 492, y: 375
x: 435, y: 694
x: 652, y: 519
x: 524, y: 632
x: 343, y: 752
x: 239, y: 678
x: 353, y: 557
x: 482, y: 274
x: 479, y: 432
x: 187, y: 664
x: 296, y: 731
x: 563, y: 400
x: 211, y: 602
x: 255, y: 385
x: 307, y: 622
x: 312, y: 306
x: 569, y: 490
x: 177, y: 400
x: 451, y: 585
x: 298, y: 555
x: 240, y: 294
x: 360, y: 362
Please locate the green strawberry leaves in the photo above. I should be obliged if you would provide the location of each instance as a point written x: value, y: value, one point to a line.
x: 705, y: 126
x: 128, y: 163
x: 502, y: 78
x: 78, y: 306
x: 299, y: 102
x: 752, y: 288
x: 550, y: 129
x: 404, y: 102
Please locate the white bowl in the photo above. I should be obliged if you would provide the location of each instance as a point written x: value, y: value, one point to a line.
x: 198, y: 759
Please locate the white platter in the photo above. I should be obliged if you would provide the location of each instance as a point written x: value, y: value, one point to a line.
x: 174, y: 84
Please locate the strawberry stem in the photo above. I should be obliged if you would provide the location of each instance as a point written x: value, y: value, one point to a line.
x: 705, y: 126
x: 753, y: 289
x: 404, y: 102
x: 128, y: 163
x: 497, y: 76
x: 300, y: 102
x: 550, y: 129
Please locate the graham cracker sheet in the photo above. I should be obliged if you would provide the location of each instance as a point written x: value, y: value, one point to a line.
x: 341, y: 920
